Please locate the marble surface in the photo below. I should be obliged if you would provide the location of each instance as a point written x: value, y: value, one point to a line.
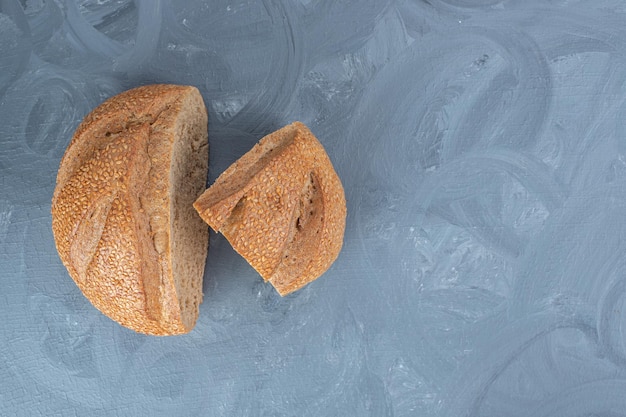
x: 482, y: 146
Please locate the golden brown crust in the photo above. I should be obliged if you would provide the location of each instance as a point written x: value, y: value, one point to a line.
x: 110, y: 209
x: 282, y: 207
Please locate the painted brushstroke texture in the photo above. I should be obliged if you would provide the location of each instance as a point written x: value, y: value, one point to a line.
x: 482, y: 146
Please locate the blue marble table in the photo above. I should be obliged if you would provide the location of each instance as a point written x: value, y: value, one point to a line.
x: 482, y: 147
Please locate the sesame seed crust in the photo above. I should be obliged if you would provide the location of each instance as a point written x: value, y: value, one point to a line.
x: 282, y: 207
x: 111, y: 207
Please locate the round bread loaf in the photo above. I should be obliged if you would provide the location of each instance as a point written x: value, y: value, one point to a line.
x: 122, y: 213
x: 282, y: 207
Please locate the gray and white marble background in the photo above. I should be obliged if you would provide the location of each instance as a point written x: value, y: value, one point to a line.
x: 482, y: 146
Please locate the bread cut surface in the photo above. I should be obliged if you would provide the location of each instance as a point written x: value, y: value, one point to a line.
x: 282, y: 207
x: 122, y: 213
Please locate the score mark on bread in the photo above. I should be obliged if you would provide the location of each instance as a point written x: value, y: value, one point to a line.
x: 282, y: 207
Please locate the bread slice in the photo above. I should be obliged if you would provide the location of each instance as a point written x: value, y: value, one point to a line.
x: 122, y: 213
x: 282, y: 207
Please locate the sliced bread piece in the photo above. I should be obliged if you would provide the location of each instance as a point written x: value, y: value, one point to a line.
x: 282, y: 207
x: 122, y: 213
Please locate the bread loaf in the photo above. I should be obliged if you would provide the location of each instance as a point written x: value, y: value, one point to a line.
x: 122, y: 213
x: 282, y: 207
